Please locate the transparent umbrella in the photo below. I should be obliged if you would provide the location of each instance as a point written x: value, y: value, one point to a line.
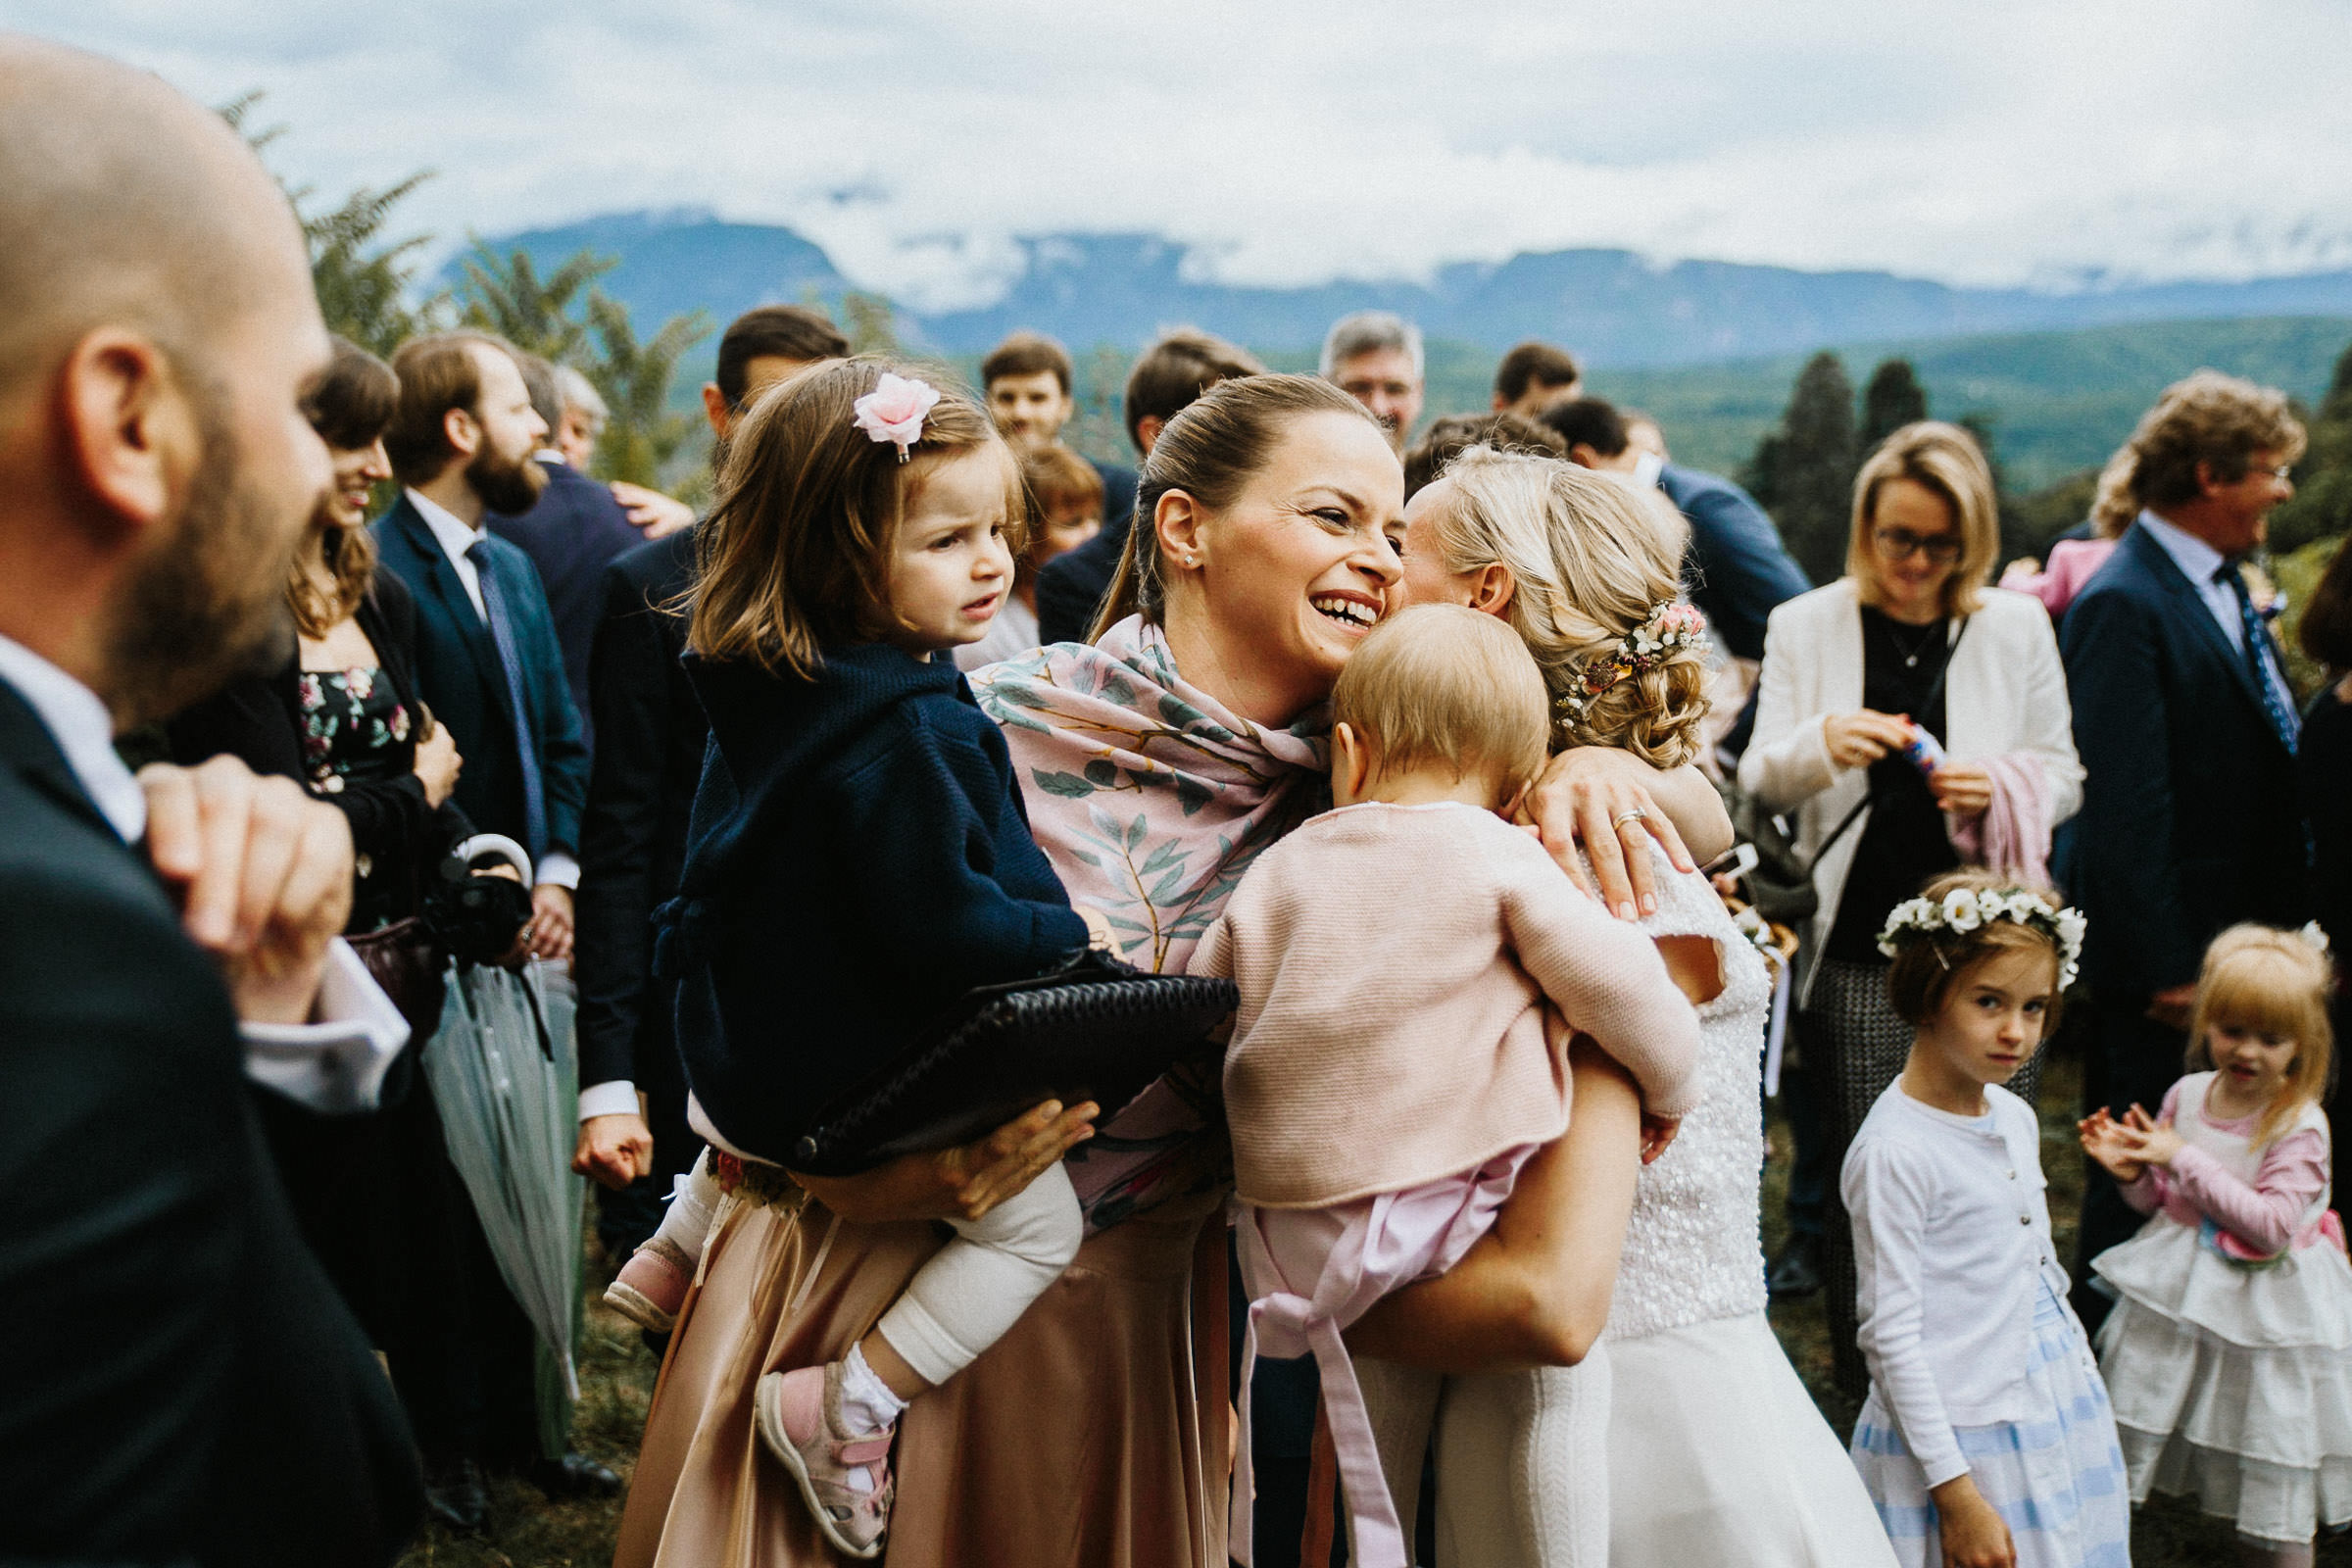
x: 506, y: 1080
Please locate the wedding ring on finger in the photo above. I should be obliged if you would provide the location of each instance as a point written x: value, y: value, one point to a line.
x: 1637, y: 814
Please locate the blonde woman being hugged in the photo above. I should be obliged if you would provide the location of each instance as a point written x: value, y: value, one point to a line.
x: 1685, y: 1436
x: 1911, y: 721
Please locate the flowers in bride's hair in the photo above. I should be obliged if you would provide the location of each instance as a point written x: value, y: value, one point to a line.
x: 1668, y: 629
x: 894, y: 410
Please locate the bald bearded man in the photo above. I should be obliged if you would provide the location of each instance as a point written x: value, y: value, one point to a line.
x: 181, y: 1385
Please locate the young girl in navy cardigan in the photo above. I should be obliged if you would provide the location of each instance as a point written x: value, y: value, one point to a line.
x: 859, y: 858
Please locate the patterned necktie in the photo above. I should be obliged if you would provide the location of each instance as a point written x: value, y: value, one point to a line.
x: 2257, y: 637
x: 526, y: 743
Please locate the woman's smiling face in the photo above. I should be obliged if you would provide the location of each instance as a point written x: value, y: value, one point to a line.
x: 1275, y: 590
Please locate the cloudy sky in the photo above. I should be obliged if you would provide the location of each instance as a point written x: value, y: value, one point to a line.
x: 1295, y: 140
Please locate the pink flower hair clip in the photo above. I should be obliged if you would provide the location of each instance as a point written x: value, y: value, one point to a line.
x: 894, y: 410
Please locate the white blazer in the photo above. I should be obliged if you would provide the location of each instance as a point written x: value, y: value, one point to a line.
x: 2005, y: 692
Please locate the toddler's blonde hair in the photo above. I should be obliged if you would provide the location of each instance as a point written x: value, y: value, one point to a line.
x: 2268, y: 982
x: 1445, y: 685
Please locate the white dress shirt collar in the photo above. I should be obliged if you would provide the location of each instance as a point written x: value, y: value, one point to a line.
x: 2197, y: 559
x: 84, y: 732
x: 457, y: 540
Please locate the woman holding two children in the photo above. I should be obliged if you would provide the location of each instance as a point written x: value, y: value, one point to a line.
x: 1156, y: 763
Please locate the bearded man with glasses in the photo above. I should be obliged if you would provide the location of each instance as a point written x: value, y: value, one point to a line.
x: 1910, y: 721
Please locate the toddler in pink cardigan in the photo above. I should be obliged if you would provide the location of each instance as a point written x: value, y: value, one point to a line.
x: 1390, y: 1067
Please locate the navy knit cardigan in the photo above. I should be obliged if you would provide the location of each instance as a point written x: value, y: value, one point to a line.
x: 858, y: 858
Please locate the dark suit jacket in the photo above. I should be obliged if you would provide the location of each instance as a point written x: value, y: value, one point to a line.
x: 2190, y: 820
x: 185, y: 1388
x: 1740, y: 572
x: 575, y: 531
x: 258, y: 719
x: 458, y: 674
x: 639, y: 798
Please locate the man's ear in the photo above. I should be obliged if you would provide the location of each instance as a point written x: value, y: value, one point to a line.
x: 130, y: 430
x: 1147, y: 432
x: 715, y: 409
x: 462, y: 432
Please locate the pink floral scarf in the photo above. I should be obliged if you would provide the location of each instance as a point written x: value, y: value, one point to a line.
x: 1151, y: 798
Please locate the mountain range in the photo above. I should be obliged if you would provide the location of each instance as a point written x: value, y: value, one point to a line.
x: 1614, y: 308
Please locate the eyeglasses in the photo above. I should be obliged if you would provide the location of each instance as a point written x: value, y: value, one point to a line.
x: 1901, y: 544
x: 2280, y: 474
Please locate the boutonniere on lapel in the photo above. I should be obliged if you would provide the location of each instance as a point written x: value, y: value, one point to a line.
x: 2265, y: 594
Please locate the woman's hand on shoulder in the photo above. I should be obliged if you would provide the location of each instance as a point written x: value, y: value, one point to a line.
x: 1607, y: 801
x: 961, y: 1182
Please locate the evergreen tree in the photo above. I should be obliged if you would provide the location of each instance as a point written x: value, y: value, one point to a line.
x: 2321, y: 506
x: 1803, y: 471
x: 535, y: 315
x: 365, y: 285
x: 1892, y: 399
x: 635, y: 378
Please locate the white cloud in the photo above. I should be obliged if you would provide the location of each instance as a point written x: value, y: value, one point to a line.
x: 1999, y: 142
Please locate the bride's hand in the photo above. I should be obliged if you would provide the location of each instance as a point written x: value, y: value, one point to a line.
x: 961, y: 1182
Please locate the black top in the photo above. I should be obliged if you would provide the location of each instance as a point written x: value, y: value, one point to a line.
x: 640, y: 795
x: 1903, y: 840
x: 266, y: 721
x: 186, y: 1388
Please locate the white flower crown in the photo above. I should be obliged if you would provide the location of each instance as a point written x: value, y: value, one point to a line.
x: 1966, y: 909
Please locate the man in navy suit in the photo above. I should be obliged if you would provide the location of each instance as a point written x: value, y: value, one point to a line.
x: 575, y: 529
x: 633, y: 839
x: 182, y: 1384
x: 2187, y: 728
x: 489, y: 664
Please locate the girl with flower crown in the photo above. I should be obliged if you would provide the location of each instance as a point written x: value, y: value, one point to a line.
x: 1986, y: 1439
x: 1909, y: 720
x: 2228, y: 1347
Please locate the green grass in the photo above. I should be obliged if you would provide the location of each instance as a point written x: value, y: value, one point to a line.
x: 617, y: 1378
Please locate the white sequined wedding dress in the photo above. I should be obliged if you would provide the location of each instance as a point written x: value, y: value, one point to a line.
x: 1715, y: 1454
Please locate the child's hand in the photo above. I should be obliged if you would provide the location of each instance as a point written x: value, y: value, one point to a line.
x: 1657, y: 1135
x: 2103, y: 1141
x: 1100, y: 936
x: 2152, y: 1146
x: 1975, y: 1536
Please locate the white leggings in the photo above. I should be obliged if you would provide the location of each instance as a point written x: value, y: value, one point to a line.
x: 971, y: 1290
x: 1523, y: 1474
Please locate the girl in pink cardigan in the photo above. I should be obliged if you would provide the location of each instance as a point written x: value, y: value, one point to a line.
x: 1404, y: 962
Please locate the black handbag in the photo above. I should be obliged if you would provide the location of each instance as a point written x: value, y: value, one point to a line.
x: 1095, y: 1029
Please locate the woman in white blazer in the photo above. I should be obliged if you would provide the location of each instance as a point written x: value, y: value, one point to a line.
x: 1909, y: 639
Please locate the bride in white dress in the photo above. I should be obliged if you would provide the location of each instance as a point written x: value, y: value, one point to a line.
x: 1714, y: 1452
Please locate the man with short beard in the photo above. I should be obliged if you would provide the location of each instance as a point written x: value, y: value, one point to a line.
x: 183, y: 1386
x: 490, y: 667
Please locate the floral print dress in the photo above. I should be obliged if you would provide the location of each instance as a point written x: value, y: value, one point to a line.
x: 355, y: 730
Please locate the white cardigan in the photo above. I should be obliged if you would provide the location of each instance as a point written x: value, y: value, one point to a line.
x: 2006, y: 691
x: 1951, y: 1247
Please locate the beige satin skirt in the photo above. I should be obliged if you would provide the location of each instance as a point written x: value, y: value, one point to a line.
x: 1094, y: 1433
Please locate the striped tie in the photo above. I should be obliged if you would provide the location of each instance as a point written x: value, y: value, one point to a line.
x: 2257, y: 637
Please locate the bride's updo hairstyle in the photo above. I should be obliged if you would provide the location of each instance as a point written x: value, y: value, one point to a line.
x: 1589, y: 564
x: 1209, y: 451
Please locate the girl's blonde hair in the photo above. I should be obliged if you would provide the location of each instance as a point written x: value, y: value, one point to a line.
x: 795, y: 555
x: 1589, y: 562
x: 2269, y: 982
x: 1946, y: 460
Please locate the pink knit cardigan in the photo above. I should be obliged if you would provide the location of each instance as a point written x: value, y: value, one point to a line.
x: 1393, y: 963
